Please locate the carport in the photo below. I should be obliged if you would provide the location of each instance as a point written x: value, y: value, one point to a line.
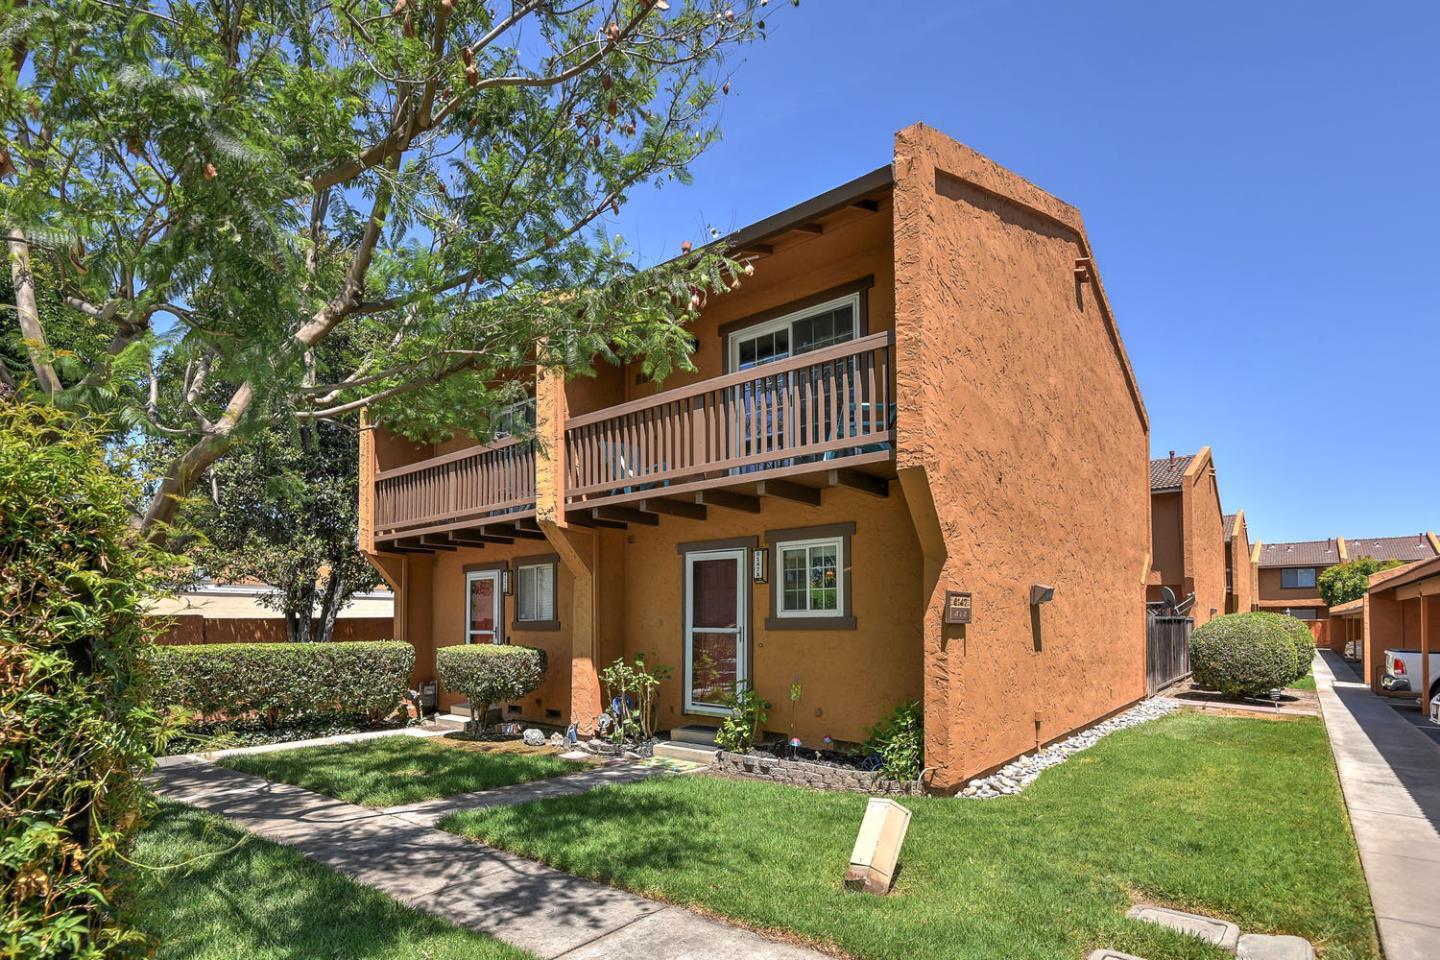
x: 1401, y: 612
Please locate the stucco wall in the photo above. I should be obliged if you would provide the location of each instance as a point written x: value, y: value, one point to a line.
x: 848, y: 678
x: 1017, y: 405
x: 1205, y: 541
x: 1242, y: 572
x: 1167, y: 532
x: 1270, y: 589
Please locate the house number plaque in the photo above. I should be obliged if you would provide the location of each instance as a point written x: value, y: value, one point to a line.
x: 957, y: 607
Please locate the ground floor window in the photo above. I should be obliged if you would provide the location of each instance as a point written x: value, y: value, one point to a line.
x: 811, y: 588
x: 535, y: 593
x: 1300, y: 613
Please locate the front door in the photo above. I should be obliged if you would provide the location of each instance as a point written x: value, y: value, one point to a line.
x: 483, y: 616
x: 716, y: 659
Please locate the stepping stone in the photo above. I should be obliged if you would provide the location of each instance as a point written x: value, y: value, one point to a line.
x: 1263, y: 946
x: 1222, y: 933
x: 1108, y: 954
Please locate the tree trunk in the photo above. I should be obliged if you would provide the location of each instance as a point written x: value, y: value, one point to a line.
x: 329, y: 607
x: 297, y: 627
x: 29, y: 312
x: 184, y: 470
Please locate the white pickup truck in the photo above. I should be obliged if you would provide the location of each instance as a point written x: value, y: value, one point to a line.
x: 1402, y: 672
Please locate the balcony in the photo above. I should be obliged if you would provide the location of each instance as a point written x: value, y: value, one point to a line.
x: 787, y: 428
x: 468, y: 488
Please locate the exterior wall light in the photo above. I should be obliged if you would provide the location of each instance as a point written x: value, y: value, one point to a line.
x: 1040, y: 593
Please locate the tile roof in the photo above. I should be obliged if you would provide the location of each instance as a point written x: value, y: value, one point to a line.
x: 1301, y: 553
x: 1415, y: 547
x: 1166, y: 473
x: 1229, y: 520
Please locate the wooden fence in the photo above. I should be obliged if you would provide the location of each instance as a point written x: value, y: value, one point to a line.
x: 1167, y: 650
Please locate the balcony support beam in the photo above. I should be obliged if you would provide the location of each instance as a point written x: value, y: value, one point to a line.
x: 585, y: 518
x: 729, y: 499
x: 515, y: 532
x: 436, y: 541
x: 855, y: 480
x: 477, y: 538
x: 626, y: 514
x: 675, y: 508
x: 789, y: 491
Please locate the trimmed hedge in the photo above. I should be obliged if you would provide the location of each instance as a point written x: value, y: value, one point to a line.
x: 75, y: 721
x: 1242, y: 655
x: 274, y: 682
x: 489, y: 673
x: 1298, y: 634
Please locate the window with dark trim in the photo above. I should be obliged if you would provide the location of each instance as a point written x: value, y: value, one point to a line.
x: 1297, y: 578
x: 535, y: 593
x: 810, y: 584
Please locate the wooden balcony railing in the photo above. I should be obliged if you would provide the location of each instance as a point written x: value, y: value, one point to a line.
x: 478, y: 482
x: 833, y: 404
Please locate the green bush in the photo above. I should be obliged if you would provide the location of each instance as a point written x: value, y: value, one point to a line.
x: 1242, y: 655
x: 489, y: 673
x: 1299, y: 635
x: 899, y: 739
x: 1350, y: 581
x: 742, y: 727
x: 75, y: 723
x: 278, y: 682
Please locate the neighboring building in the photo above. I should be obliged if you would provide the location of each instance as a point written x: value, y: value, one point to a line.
x: 212, y: 612
x: 1187, y: 533
x: 1400, y: 611
x: 921, y: 389
x: 1242, y: 570
x: 1290, y: 572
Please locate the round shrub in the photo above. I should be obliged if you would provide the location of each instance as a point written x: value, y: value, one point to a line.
x: 276, y: 682
x: 1299, y: 635
x: 489, y: 673
x: 1241, y: 655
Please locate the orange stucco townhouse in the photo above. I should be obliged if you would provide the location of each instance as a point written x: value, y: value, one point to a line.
x: 920, y: 391
x: 1242, y: 569
x: 1188, y: 542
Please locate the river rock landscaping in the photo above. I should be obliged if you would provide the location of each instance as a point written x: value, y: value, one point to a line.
x: 1019, y: 774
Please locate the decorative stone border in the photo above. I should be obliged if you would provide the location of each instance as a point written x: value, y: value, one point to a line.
x: 1019, y: 774
x: 820, y: 776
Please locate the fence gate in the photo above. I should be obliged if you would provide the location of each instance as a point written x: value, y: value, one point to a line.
x: 1167, y: 650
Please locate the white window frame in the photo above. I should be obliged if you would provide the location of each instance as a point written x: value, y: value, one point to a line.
x: 780, y: 547
x: 742, y: 619
x: 789, y: 320
x: 470, y: 577
x: 520, y: 592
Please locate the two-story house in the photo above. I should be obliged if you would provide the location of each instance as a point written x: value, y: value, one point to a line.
x: 1242, y: 567
x: 921, y: 391
x: 1290, y: 571
x: 1187, y: 531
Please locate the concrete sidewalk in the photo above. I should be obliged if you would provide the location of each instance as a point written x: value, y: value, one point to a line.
x: 1390, y: 774
x: 526, y: 904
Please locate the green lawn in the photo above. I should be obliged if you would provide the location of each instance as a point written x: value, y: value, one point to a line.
x: 1306, y: 682
x: 1234, y: 817
x: 260, y: 901
x: 404, y: 769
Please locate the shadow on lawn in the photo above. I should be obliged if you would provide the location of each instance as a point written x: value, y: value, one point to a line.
x: 256, y: 899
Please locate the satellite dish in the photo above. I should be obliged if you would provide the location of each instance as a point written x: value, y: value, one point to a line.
x: 1168, y: 596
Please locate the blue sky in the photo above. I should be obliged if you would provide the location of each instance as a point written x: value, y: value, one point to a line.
x: 1259, y: 181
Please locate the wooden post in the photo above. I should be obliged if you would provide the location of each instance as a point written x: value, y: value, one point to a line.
x: 1424, y: 653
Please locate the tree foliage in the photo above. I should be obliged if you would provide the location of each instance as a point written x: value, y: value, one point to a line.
x: 1350, y: 580
x: 76, y: 728
x: 214, y: 190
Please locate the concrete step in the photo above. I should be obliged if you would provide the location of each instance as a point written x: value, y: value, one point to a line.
x: 694, y: 733
x: 671, y: 750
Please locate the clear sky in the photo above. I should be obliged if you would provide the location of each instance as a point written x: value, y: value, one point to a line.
x: 1259, y: 181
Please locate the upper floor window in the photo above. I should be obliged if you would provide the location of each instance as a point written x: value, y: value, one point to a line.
x: 823, y: 325
x: 513, y: 419
x: 1297, y: 578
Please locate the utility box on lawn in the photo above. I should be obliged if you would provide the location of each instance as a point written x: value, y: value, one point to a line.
x: 877, y: 848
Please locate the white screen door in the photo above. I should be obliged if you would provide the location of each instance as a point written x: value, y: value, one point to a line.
x: 482, y: 607
x: 715, y: 617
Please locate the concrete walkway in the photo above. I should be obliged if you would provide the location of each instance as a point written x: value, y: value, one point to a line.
x: 399, y: 852
x: 1390, y: 774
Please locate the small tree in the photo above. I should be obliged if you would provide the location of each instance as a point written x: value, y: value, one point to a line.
x: 75, y: 719
x: 1350, y: 580
x: 489, y: 673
